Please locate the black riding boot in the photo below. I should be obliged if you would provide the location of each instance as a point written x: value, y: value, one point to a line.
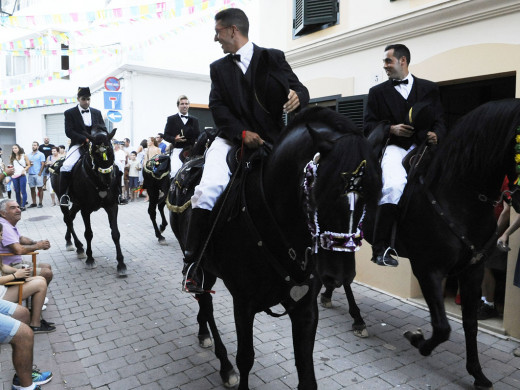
x: 198, y: 230
x: 64, y: 188
x: 386, y: 217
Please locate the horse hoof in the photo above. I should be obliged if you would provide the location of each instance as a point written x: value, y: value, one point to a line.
x: 361, y: 333
x: 205, y: 341
x: 92, y: 265
x: 325, y: 302
x: 162, y: 241
x: 121, y: 272
x: 69, y: 247
x: 414, y: 337
x: 82, y: 255
x: 232, y: 379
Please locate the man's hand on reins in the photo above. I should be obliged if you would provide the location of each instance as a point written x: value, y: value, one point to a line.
x: 252, y: 140
x: 432, y: 137
x: 402, y: 130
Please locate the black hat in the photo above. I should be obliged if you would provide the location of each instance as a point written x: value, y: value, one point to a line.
x: 83, y: 92
x: 421, y: 117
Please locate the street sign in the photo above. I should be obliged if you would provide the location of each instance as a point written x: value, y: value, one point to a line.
x: 112, y: 84
x: 114, y: 116
x: 112, y: 100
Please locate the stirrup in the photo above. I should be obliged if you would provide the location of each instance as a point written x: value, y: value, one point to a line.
x: 65, y: 200
x: 190, y: 285
x: 390, y: 249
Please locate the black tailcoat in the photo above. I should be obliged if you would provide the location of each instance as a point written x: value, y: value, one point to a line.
x: 190, y: 130
x: 386, y: 104
x: 74, y: 125
x: 253, y: 101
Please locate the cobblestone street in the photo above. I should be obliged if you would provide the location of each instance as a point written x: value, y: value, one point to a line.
x: 139, y: 332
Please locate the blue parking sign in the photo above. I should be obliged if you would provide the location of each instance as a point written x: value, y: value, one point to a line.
x: 112, y: 100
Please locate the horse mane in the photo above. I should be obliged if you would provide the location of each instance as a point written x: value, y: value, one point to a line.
x: 479, y: 146
x: 326, y: 116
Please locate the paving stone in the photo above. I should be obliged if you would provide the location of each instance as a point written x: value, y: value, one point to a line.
x: 140, y: 332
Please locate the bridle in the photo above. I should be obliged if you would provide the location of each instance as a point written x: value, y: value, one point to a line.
x: 100, y: 149
x: 339, y: 242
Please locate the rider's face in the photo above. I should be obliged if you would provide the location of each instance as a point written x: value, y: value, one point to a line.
x: 84, y: 102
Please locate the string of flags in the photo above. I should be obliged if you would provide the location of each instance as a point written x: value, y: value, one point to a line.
x: 190, y: 5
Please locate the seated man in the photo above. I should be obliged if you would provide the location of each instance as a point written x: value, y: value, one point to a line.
x: 13, y: 330
x: 13, y: 242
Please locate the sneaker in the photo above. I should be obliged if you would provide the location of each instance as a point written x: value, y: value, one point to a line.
x: 43, y: 328
x: 486, y: 312
x: 32, y: 205
x: 44, y: 307
x: 42, y: 321
x: 39, y: 378
x: 22, y: 208
x: 40, y: 206
x: 46, y: 300
x: 516, y: 352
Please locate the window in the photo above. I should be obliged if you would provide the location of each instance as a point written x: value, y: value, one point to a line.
x: 353, y: 107
x: 313, y: 15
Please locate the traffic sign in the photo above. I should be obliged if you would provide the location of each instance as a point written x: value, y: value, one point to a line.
x: 114, y: 116
x: 112, y: 100
x: 112, y: 84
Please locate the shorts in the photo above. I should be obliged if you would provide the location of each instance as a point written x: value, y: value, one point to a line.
x: 8, y: 325
x: 18, y: 265
x: 35, y: 181
x: 133, y: 181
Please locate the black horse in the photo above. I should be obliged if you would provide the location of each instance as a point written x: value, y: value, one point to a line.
x: 313, y: 184
x: 156, y: 174
x: 447, y: 226
x: 95, y: 184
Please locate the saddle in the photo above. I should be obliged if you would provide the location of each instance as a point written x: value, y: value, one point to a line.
x: 158, y: 166
x: 55, y: 168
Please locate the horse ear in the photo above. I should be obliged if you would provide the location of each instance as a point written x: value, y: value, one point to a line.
x: 112, y: 133
x: 324, y: 144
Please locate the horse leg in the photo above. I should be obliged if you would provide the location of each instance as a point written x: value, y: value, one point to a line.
x: 431, y: 286
x: 164, y: 223
x: 80, y: 252
x: 152, y: 203
x: 304, y: 322
x: 90, y: 262
x: 205, y: 317
x: 244, y: 318
x: 112, y: 219
x: 359, y: 327
x: 470, y: 283
x: 68, y: 218
x: 326, y: 297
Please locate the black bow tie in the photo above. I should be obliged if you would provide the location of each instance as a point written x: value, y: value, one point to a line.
x: 235, y: 57
x: 397, y: 82
x: 184, y: 116
x: 84, y: 111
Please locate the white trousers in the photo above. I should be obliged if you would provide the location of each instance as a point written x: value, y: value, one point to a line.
x: 215, y: 176
x: 72, y: 156
x: 176, y: 162
x: 394, y: 174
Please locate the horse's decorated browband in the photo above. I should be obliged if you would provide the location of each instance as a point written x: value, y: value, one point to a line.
x: 517, y: 155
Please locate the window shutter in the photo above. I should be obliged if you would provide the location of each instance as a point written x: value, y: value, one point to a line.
x: 353, y: 107
x: 310, y: 15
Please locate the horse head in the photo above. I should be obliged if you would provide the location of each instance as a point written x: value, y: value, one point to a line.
x: 100, y: 149
x: 340, y: 180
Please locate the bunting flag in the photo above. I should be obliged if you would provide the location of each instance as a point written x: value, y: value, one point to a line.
x: 166, y: 9
x: 162, y: 10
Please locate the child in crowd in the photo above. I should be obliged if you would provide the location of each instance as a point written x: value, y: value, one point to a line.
x: 134, y: 167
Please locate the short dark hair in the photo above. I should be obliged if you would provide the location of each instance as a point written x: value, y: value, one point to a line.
x: 61, y: 146
x: 36, y: 142
x: 133, y: 152
x: 160, y: 135
x: 55, y: 147
x: 400, y: 51
x: 234, y: 17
